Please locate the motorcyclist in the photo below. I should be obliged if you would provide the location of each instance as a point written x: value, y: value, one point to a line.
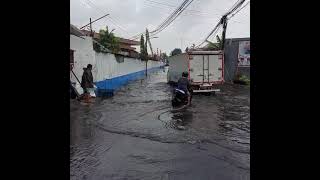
x: 184, y: 85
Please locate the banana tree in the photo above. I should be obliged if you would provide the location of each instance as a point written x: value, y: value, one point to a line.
x: 214, y: 46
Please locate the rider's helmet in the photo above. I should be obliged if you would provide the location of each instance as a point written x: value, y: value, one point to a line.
x: 185, y: 74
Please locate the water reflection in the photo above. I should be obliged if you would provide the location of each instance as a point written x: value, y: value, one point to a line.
x: 182, y: 119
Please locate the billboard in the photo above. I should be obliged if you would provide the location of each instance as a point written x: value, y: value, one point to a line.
x: 244, y: 54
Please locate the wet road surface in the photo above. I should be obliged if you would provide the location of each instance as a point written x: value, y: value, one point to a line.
x: 133, y: 135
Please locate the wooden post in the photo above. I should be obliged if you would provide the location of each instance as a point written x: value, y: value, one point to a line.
x: 146, y: 52
x: 147, y: 67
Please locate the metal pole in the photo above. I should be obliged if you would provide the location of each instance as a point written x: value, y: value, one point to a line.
x: 146, y: 51
x: 203, y: 68
x: 146, y: 68
x: 224, y: 22
x: 75, y: 76
x: 91, y: 34
x: 94, y: 21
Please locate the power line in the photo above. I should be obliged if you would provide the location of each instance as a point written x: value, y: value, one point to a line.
x: 162, y: 12
x: 168, y: 23
x: 216, y: 31
x: 231, y: 10
x: 234, y: 5
x: 171, y: 16
x: 116, y: 24
x: 239, y: 10
x: 169, y: 19
x: 213, y: 31
x: 171, y: 5
x: 92, y: 5
x: 136, y: 36
x: 93, y: 21
x: 187, y: 12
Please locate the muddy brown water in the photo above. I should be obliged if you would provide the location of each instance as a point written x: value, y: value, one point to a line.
x: 133, y: 135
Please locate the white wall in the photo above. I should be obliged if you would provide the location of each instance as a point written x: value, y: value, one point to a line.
x: 110, y: 68
x: 105, y: 65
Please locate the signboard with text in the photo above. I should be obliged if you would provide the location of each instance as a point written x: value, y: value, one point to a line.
x: 244, y: 54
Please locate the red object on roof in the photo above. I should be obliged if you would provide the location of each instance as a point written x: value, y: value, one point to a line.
x: 126, y: 46
x: 128, y: 41
x: 87, y: 33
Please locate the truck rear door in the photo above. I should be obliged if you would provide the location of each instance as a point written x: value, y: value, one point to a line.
x: 196, y: 68
x: 215, y: 68
x: 206, y: 68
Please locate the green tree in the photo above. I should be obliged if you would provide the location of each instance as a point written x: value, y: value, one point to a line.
x: 108, y: 40
x: 164, y: 55
x: 146, y: 46
x: 143, y: 49
x: 176, y: 51
x: 141, y: 46
x: 215, y: 46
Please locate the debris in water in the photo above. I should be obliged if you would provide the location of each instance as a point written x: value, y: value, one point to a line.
x: 192, y: 142
x: 181, y: 127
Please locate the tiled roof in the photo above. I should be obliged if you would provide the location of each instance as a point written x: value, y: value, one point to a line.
x: 122, y: 40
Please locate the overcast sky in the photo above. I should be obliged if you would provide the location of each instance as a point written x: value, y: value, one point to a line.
x: 131, y: 17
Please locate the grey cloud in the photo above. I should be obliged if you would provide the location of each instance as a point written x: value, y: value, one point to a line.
x: 192, y: 27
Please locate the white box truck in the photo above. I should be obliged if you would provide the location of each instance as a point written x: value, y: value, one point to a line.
x: 205, y: 68
x: 177, y: 65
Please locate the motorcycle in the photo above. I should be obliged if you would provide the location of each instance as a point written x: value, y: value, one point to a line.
x: 180, y: 98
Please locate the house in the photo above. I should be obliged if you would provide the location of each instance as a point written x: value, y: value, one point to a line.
x: 110, y: 71
x: 125, y: 44
x: 81, y: 53
x: 76, y: 32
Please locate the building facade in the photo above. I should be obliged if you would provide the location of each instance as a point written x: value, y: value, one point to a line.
x: 237, y: 58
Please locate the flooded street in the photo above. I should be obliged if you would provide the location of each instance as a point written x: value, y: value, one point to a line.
x: 133, y: 135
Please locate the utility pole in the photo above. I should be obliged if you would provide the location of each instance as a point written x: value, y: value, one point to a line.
x: 91, y: 33
x: 224, y: 26
x: 148, y: 40
x: 157, y: 54
x: 146, y: 52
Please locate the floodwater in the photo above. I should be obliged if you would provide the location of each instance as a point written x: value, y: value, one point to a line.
x: 133, y: 135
